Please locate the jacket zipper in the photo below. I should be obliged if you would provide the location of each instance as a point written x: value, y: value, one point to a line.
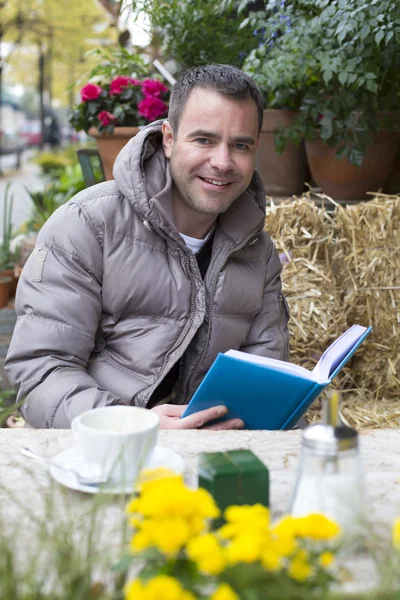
x: 213, y: 291
x: 185, y: 333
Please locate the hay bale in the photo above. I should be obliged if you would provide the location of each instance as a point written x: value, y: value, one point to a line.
x: 343, y: 268
x: 367, y: 248
x: 303, y: 234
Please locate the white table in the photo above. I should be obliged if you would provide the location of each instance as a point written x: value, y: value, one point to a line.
x: 26, y: 486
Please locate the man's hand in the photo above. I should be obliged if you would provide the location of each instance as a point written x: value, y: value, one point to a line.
x: 170, y: 418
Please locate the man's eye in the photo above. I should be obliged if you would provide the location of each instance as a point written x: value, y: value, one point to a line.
x: 202, y: 141
x: 241, y: 147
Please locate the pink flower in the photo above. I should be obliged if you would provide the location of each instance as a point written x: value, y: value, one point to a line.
x: 119, y: 83
x: 90, y: 92
x: 106, y: 118
x: 153, y: 87
x: 151, y: 108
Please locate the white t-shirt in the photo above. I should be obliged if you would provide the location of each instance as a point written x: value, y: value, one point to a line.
x: 194, y: 243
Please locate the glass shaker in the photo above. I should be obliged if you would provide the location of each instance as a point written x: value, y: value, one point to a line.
x: 329, y: 477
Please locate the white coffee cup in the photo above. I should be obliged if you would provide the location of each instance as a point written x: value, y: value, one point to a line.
x: 117, y: 440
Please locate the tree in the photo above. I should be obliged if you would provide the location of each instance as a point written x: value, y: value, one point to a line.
x: 56, y: 36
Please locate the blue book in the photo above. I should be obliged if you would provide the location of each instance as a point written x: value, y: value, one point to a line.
x: 267, y: 393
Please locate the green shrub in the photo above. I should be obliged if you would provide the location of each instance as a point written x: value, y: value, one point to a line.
x: 52, y: 163
x: 198, y: 32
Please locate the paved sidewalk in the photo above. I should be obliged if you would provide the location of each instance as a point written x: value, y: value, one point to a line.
x: 28, y: 176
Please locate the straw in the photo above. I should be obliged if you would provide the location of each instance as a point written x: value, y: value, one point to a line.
x: 339, y: 268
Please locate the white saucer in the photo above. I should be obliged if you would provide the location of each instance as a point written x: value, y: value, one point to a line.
x: 72, y: 458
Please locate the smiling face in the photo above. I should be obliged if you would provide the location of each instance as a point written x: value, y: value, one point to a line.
x: 212, y: 157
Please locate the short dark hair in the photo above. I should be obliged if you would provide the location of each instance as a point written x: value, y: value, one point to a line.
x: 224, y: 79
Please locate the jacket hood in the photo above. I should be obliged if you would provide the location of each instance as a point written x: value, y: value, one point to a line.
x: 142, y: 175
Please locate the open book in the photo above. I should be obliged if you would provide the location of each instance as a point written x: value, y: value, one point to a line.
x: 268, y: 393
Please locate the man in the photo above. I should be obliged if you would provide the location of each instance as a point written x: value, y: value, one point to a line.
x: 136, y: 284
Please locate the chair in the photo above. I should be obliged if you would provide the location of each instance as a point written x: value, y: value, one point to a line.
x: 91, y: 165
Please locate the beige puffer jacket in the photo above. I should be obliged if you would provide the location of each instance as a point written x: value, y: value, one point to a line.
x: 112, y: 297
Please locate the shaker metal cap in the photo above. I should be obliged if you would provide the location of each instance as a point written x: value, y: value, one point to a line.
x: 326, y: 439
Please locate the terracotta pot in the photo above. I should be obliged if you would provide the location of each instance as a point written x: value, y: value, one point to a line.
x: 5, y: 283
x: 282, y: 174
x: 9, y: 273
x: 344, y: 181
x: 393, y: 184
x: 110, y: 145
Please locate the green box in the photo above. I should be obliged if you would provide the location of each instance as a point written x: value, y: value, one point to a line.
x: 234, y: 477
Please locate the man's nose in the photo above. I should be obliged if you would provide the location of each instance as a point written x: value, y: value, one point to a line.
x: 221, y: 158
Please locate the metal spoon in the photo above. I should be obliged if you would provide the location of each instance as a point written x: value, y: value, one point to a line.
x: 49, y: 462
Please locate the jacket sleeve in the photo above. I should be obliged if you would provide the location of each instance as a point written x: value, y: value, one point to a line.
x: 269, y: 334
x: 58, y: 308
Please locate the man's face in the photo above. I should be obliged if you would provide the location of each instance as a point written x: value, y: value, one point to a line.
x: 212, y: 156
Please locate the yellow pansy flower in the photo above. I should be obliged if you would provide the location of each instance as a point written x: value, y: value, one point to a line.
x: 270, y: 559
x: 326, y: 559
x: 160, y: 587
x: 171, y: 535
x: 285, y: 546
x: 255, y: 513
x: 245, y: 519
x: 303, y: 554
x: 396, y: 534
x: 134, y: 590
x: 285, y: 527
x: 142, y: 540
x: 169, y: 497
x: 245, y: 548
x: 168, y: 535
x: 299, y: 569
x: 224, y: 592
x: 316, y: 527
x: 167, y: 588
x: 207, y: 553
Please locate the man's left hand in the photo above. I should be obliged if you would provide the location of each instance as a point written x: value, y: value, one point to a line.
x: 170, y: 418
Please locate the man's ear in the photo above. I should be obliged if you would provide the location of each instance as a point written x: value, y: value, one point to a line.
x: 168, y: 138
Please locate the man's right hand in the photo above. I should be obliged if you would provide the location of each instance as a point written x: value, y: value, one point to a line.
x: 170, y: 418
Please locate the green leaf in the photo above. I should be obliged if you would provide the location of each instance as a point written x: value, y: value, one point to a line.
x: 379, y: 36
x: 365, y: 31
x: 126, y: 94
x: 92, y: 108
x: 327, y: 75
x: 372, y: 86
x: 356, y: 157
x: 118, y: 111
x: 389, y: 36
x: 123, y: 564
x: 341, y: 152
x: 343, y: 77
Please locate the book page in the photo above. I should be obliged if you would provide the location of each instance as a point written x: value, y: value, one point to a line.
x: 278, y: 365
x: 337, y: 351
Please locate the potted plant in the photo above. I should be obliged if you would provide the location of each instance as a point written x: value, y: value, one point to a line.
x: 340, y: 62
x: 284, y: 170
x: 116, y: 101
